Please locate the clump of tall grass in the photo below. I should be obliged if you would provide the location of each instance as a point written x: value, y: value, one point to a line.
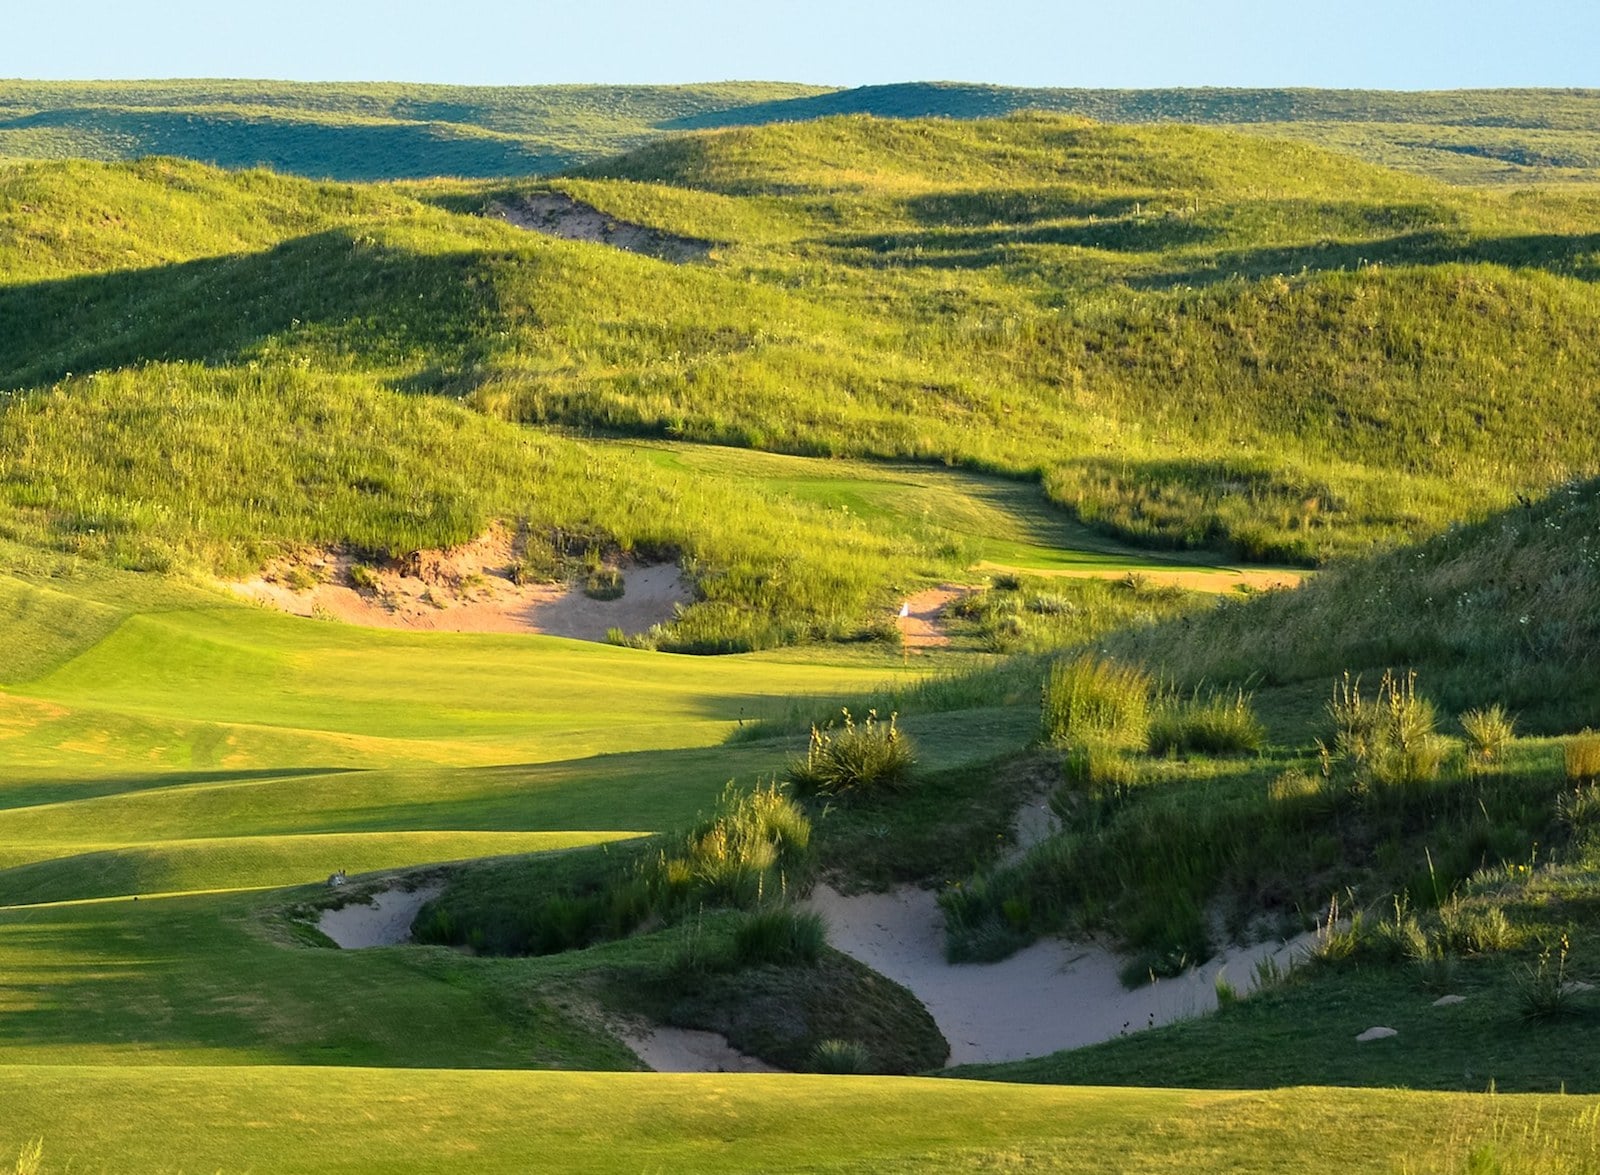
x: 1211, y: 723
x: 604, y: 583
x: 1543, y: 989
x: 1091, y: 698
x: 779, y: 935
x: 1388, y: 740
x: 744, y: 851
x: 858, y: 760
x: 841, y: 1057
x: 1489, y: 732
x: 1581, y: 758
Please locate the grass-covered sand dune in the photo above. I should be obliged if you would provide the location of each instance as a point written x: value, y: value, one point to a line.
x: 1193, y: 338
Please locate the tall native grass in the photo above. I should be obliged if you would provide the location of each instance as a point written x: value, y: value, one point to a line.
x: 1089, y: 699
x: 1226, y: 316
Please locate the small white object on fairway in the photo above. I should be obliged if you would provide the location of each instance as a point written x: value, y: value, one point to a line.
x: 1446, y: 1001
x: 1049, y: 996
x: 683, y: 1050
x: 383, y: 922
x: 1372, y: 1034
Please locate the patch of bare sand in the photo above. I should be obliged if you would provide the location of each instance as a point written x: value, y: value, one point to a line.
x: 1049, y: 996
x: 463, y: 589
x: 684, y: 1050
x: 1198, y: 580
x: 556, y: 214
x: 384, y: 920
x: 922, y: 618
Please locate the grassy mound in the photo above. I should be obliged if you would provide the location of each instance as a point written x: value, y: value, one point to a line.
x: 1503, y: 611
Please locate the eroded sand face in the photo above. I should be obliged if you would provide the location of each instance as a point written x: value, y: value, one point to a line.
x: 1049, y: 996
x: 466, y: 589
x: 383, y: 921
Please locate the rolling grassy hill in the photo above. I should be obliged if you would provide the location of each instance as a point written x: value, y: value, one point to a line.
x: 1193, y: 338
x: 390, y: 131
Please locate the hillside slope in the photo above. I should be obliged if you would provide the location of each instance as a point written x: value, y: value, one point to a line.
x: 1194, y: 338
x: 1506, y: 611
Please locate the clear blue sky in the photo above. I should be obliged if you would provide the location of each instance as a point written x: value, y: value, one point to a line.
x: 1398, y: 44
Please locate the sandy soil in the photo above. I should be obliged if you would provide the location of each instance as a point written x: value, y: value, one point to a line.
x: 1052, y: 995
x: 384, y: 921
x: 558, y: 215
x: 921, y: 625
x: 1199, y: 580
x: 683, y: 1050
x: 465, y: 589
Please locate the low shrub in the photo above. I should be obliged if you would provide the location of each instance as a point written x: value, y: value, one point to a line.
x: 779, y: 935
x: 1582, y: 758
x: 857, y: 761
x: 1489, y: 732
x: 1214, y: 723
x: 1095, y: 699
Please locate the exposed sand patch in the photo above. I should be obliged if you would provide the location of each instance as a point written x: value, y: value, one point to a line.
x: 383, y: 921
x: 1198, y: 580
x: 921, y: 620
x: 558, y: 215
x: 684, y: 1050
x: 463, y: 589
x: 1049, y: 996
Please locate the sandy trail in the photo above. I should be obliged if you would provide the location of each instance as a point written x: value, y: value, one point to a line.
x: 1049, y: 996
x: 1198, y: 580
x: 383, y: 921
x: 465, y: 589
x: 922, y: 622
x: 684, y: 1050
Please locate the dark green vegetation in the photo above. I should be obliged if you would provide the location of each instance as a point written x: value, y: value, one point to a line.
x: 372, y: 132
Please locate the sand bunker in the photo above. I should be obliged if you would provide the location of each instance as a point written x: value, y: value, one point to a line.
x: 1049, y: 996
x: 558, y: 215
x: 463, y: 589
x: 1201, y: 579
x: 684, y: 1050
x: 382, y: 921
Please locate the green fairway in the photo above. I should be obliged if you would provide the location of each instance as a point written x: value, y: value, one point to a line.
x: 95, y: 1119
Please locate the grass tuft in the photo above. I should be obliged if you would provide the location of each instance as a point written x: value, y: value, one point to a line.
x: 864, y: 760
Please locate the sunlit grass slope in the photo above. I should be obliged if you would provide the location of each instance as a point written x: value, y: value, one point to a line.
x: 1194, y: 338
x: 298, y: 1120
x: 1503, y: 611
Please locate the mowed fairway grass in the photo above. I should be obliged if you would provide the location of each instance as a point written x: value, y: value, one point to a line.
x: 183, y: 1119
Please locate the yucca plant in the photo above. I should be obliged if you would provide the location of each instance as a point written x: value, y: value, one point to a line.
x: 1489, y: 731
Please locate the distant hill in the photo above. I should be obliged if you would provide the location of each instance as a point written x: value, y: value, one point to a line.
x: 392, y: 131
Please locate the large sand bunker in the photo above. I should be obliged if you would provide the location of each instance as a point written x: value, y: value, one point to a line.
x: 463, y: 589
x: 1050, y: 996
